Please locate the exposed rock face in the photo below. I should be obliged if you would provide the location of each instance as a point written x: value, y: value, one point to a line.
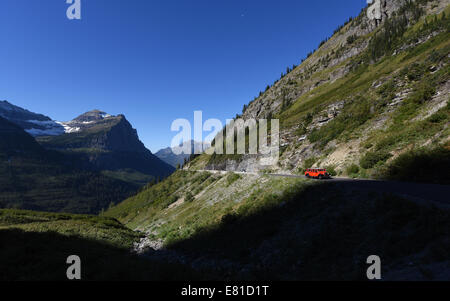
x: 376, y: 12
x: 91, y: 116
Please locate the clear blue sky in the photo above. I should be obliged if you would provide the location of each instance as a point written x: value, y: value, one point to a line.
x: 155, y: 61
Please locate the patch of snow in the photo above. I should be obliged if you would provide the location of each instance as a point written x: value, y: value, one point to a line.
x: 46, y: 132
x: 43, y: 123
x: 48, y: 128
x: 68, y: 129
x: 72, y: 130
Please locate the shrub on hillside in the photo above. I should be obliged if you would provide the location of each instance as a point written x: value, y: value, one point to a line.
x: 352, y: 169
x: 351, y: 39
x: 423, y: 93
x: 372, y: 158
x: 423, y: 165
x: 309, y: 162
x: 232, y: 177
x: 331, y: 170
x: 189, y: 197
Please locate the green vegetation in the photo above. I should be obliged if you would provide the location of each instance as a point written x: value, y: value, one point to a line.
x: 35, y: 246
x: 102, y: 229
x: 159, y: 196
x: 232, y: 177
x: 354, y: 115
x: 45, y: 184
x: 331, y: 169
x: 129, y: 176
x: 309, y: 163
x: 352, y: 170
x: 370, y: 159
x: 351, y: 39
x: 231, y: 192
x: 189, y: 197
x: 429, y: 165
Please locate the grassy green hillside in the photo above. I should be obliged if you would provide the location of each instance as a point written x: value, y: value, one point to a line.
x: 187, y: 202
x: 35, y: 246
x: 102, y: 229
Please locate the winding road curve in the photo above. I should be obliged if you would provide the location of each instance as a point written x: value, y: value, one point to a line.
x: 426, y: 194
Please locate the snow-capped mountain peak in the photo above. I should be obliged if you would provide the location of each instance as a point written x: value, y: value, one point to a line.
x: 33, y: 123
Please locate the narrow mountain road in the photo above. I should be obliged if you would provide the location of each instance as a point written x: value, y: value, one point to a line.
x: 422, y: 193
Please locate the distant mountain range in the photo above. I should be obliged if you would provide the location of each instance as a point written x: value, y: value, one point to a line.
x: 96, y: 157
x: 168, y: 154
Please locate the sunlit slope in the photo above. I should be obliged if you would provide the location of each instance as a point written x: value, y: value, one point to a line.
x: 362, y: 100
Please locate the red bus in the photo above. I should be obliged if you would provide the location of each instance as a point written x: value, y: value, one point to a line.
x: 317, y: 173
